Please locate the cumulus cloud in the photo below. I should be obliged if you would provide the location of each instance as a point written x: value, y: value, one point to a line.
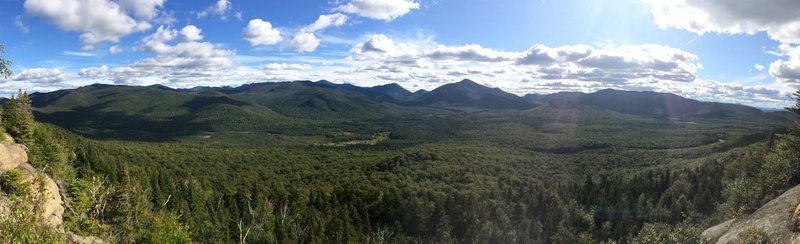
x: 99, y: 71
x: 778, y: 18
x: 787, y: 70
x: 115, y: 49
x: 573, y: 62
x: 220, y: 8
x: 471, y: 52
x: 545, y: 69
x: 381, y: 47
x: 619, y: 64
x: 191, y: 33
x: 181, y: 58
x: 541, y: 54
x: 146, y: 9
x: 759, y: 67
x: 260, y: 32
x: 325, y: 21
x: 96, y: 20
x: 305, y: 42
x: 386, y: 10
x: 41, y: 75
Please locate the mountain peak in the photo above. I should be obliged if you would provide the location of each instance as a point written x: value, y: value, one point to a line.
x: 469, y: 83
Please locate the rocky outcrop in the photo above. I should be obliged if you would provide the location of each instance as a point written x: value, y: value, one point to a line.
x: 15, y: 156
x: 11, y: 155
x: 78, y: 239
x: 775, y: 218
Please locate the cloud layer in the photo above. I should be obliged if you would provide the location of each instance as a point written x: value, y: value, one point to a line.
x: 96, y: 20
x: 386, y: 10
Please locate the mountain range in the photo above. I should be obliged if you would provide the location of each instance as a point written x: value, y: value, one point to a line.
x: 279, y: 105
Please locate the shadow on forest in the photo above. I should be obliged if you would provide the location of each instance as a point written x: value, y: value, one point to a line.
x: 93, y: 122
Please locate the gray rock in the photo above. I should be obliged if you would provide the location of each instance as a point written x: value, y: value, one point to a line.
x: 15, y: 156
x: 78, y: 239
x: 715, y: 232
x: 11, y: 156
x: 774, y: 218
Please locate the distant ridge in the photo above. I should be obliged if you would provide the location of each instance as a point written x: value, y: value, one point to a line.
x: 471, y: 94
x: 119, y: 111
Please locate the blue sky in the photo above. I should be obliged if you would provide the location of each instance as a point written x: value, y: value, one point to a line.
x: 706, y: 49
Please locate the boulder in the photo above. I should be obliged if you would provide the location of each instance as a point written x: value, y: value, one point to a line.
x: 15, y: 156
x: 715, y: 232
x: 775, y: 218
x: 12, y: 155
x: 78, y: 239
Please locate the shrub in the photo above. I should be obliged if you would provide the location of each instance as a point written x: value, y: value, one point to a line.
x: 753, y: 235
x: 11, y: 183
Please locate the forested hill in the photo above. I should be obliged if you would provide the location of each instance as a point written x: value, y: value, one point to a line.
x: 137, y: 112
x: 317, y: 162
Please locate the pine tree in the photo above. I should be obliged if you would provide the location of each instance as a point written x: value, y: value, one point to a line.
x: 18, y: 118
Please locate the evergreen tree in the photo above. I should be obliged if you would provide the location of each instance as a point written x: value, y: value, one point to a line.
x: 18, y: 117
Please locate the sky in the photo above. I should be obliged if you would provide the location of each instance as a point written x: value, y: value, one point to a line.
x: 742, y: 52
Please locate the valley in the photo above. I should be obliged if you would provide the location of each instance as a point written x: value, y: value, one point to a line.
x: 312, y: 161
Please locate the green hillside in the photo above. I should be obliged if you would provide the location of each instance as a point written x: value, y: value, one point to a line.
x: 321, y: 162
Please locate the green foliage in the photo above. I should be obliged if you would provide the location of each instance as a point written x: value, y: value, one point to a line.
x: 46, y: 153
x: 742, y: 196
x: 796, y: 107
x: 21, y: 225
x: 79, y: 193
x: 5, y: 71
x: 248, y: 166
x: 18, y: 118
x: 11, y: 183
x: 663, y: 234
x: 753, y: 235
x: 165, y: 228
x: 652, y: 233
x: 781, y: 166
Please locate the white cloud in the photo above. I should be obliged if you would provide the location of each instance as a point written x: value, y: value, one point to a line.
x: 545, y: 69
x: 115, y: 49
x: 325, y: 21
x: 759, y: 67
x: 379, y: 46
x: 305, y: 42
x: 96, y: 20
x: 145, y: 9
x: 778, y: 18
x: 471, y: 52
x: 260, y: 32
x: 285, y: 66
x: 191, y: 33
x: 180, y: 59
x: 541, y: 54
x: 386, y: 10
x: 620, y: 64
x: 220, y: 9
x: 22, y: 27
x: 419, y: 63
x: 787, y: 70
x: 79, y: 54
x: 94, y: 71
x: 41, y: 75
